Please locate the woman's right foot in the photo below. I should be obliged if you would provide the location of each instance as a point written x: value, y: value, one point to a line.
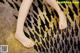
x: 24, y: 40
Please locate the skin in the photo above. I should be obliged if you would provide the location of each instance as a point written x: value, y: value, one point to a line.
x: 54, y: 4
x: 24, y: 9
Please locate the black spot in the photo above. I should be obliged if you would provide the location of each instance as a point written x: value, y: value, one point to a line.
x: 15, y: 0
x: 28, y: 16
x: 61, y: 0
x: 63, y: 36
x: 25, y: 25
x: 66, y: 51
x: 35, y: 47
x: 43, y: 49
x: 47, y: 23
x: 61, y: 8
x: 37, y: 29
x: 43, y: 42
x: 51, y: 50
x: 77, y: 51
x: 57, y: 23
x: 21, y: 0
x: 78, y: 44
x: 67, y: 32
x: 47, y: 36
x: 48, y: 14
x: 68, y: 46
x: 75, y: 44
x: 35, y: 15
x: 79, y: 5
x: 17, y: 6
x: 54, y: 29
x: 47, y: 43
x: 58, y: 38
x: 1, y: 1
x: 29, y: 24
x: 60, y: 47
x: 63, y: 51
x: 55, y: 44
x: 43, y: 25
x: 52, y: 34
x: 72, y: 50
x: 76, y: 29
x: 39, y: 48
x: 10, y: 4
x: 71, y: 41
x: 75, y: 9
x: 58, y: 51
x: 51, y: 42
x: 55, y: 50
x: 42, y: 33
x: 72, y: 32
x: 63, y: 4
x: 15, y: 16
x: 47, y: 50
x: 26, y: 34
x: 66, y: 41
x: 40, y: 5
x: 36, y: 37
x: 35, y: 21
x: 35, y: 8
x: 32, y: 36
x: 79, y: 23
x: 71, y: 14
x: 62, y: 44
x: 56, y: 13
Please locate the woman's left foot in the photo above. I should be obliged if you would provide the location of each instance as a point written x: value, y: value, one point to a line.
x: 62, y: 21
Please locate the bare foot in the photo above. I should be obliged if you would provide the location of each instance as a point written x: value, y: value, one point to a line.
x: 24, y: 40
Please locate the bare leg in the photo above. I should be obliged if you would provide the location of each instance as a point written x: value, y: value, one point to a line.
x: 20, y: 23
x: 62, y: 19
x: 22, y: 15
